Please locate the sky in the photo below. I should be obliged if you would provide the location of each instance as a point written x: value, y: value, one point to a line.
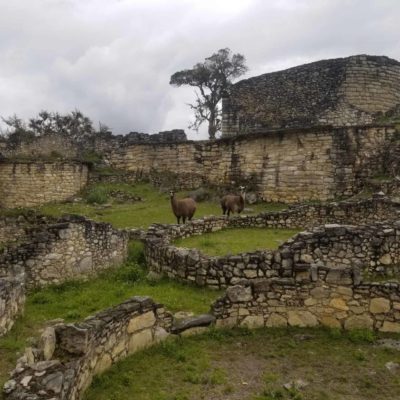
x: 112, y: 59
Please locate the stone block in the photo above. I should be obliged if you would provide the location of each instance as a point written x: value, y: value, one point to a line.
x: 142, y: 321
x: 276, y: 320
x: 140, y: 340
x: 363, y: 321
x: 302, y: 318
x: 379, y: 305
x: 238, y: 293
x: 253, y: 321
x: 389, y: 326
x: 339, y: 304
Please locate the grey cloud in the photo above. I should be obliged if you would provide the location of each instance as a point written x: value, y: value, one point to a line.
x: 113, y: 59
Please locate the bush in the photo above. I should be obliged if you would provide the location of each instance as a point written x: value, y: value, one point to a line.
x: 97, y: 195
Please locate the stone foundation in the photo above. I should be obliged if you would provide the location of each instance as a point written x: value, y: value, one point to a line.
x: 70, y: 355
x: 289, y: 302
x: 371, y: 249
x: 75, y: 247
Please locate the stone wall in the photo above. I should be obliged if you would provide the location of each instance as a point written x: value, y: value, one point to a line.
x: 72, y: 354
x: 370, y: 249
x: 287, y: 165
x: 72, y: 248
x: 28, y: 184
x: 12, y: 300
x: 15, y: 228
x: 355, y: 90
x: 287, y: 302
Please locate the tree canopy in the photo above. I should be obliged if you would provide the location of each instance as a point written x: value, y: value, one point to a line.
x: 211, y: 78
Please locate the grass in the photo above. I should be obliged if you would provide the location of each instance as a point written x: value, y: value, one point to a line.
x: 76, y: 300
x: 155, y: 207
x: 235, y: 241
x: 254, y: 365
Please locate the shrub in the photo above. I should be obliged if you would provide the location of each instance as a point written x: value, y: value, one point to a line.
x: 97, y: 195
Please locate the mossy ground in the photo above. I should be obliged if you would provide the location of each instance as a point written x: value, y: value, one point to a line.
x: 254, y: 365
x: 235, y: 241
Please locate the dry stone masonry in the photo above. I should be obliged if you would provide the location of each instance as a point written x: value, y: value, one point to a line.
x: 356, y: 90
x: 289, y: 302
x: 70, y: 355
x: 28, y: 184
x: 371, y: 249
x: 74, y: 247
x: 288, y: 165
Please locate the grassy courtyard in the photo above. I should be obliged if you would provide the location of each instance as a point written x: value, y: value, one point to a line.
x: 154, y: 207
x: 254, y: 365
x: 235, y: 241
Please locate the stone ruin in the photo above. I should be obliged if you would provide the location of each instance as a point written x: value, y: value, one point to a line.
x: 330, y: 274
x: 356, y: 90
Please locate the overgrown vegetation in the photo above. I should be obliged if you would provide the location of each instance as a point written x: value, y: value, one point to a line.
x: 254, y: 365
x: 234, y: 241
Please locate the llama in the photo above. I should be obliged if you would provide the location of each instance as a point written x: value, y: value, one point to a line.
x: 232, y: 203
x: 184, y: 208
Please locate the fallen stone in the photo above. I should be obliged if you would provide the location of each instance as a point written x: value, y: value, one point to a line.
x: 392, y: 366
x: 297, y: 384
x: 191, y: 322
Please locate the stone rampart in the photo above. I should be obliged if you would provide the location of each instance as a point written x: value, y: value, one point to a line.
x: 286, y: 165
x: 72, y: 248
x: 288, y: 302
x: 12, y: 300
x: 28, y: 184
x: 70, y: 355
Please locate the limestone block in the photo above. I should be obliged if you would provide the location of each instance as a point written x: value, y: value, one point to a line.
x: 143, y: 321
x: 103, y: 363
x: 339, y: 304
x: 302, y: 318
x: 238, y: 293
x: 390, y: 327
x: 379, y: 305
x: 276, y: 320
x: 331, y: 322
x: 363, y: 321
x: 386, y: 259
x: 253, y: 321
x: 140, y: 340
x: 48, y: 342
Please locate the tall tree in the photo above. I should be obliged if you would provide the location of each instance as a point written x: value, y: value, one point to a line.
x: 211, y: 78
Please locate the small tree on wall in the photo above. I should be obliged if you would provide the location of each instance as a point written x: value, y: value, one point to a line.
x: 211, y: 78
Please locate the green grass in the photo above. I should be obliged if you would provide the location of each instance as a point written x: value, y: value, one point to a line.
x: 253, y: 365
x: 155, y: 207
x: 235, y: 241
x: 76, y: 300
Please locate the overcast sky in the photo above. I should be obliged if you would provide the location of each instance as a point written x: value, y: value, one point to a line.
x: 112, y: 59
